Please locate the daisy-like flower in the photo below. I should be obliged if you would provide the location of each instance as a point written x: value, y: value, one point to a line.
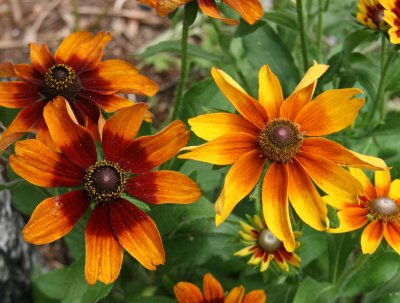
x: 370, y: 14
x: 287, y: 134
x: 115, y: 223
x: 378, y: 208
x: 392, y: 17
x: 186, y: 292
x: 264, y: 247
x: 76, y: 73
x: 250, y: 10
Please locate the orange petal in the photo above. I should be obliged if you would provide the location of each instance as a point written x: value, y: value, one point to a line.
x: 41, y: 166
x: 54, y: 217
x: 224, y: 150
x: 103, y: 252
x: 249, y: 10
x: 235, y: 295
x: 295, y: 102
x: 394, y: 192
x: 255, y: 296
x: 120, y: 130
x: 188, y: 293
x: 41, y: 58
x: 208, y: 8
x: 330, y: 112
x: 371, y: 237
x: 304, y: 197
x: 239, y: 182
x: 340, y: 203
x: 73, y: 140
x: 269, y: 92
x: 117, y: 76
x: 161, y: 187
x: 382, y: 183
x: 212, y: 289
x: 311, y: 76
x: 247, y: 106
x: 212, y: 126
x: 17, y: 94
x: 137, y: 233
x: 147, y: 152
x: 166, y: 7
x: 369, y: 190
x: 109, y: 103
x: 275, y: 204
x: 351, y: 218
x: 391, y: 232
x: 43, y: 135
x: 25, y: 72
x: 82, y: 51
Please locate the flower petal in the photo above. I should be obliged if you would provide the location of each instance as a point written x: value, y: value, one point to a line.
x: 73, y: 140
x: 41, y: 166
x: 103, y: 252
x: 212, y: 126
x: 369, y: 190
x: 25, y: 72
x: 164, y: 186
x: 43, y: 135
x: 54, y: 217
x: 371, y: 237
x: 117, y: 76
x: 391, y: 232
x: 213, y: 291
x: 311, y: 76
x: 340, y: 203
x: 188, y: 293
x: 224, y: 150
x: 137, y: 233
x: 235, y: 295
x: 275, y: 204
x: 242, y: 177
x: 382, y: 183
x: 249, y: 10
x: 41, y: 58
x: 255, y: 296
x: 109, y: 103
x: 394, y: 192
x: 121, y: 129
x: 17, y: 94
x: 247, y: 106
x: 166, y: 7
x: 270, y: 92
x: 330, y: 112
x: 351, y: 218
x: 208, y: 8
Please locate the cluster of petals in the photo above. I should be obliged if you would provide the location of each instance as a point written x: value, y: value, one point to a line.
x: 116, y: 224
x: 249, y: 10
x: 186, y: 292
x: 236, y: 139
x: 392, y: 17
x: 371, y: 13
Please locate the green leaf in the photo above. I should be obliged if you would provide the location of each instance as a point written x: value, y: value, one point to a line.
x: 51, y: 284
x: 157, y: 299
x: 25, y: 197
x: 191, y: 12
x: 143, y: 206
x: 285, y: 19
x: 357, y: 38
x: 244, y: 29
x: 320, y: 292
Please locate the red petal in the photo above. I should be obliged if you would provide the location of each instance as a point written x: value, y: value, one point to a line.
x: 41, y: 58
x: 17, y: 94
x: 109, y: 103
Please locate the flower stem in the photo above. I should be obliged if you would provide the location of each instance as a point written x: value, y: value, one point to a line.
x: 184, y: 65
x: 347, y: 275
x: 300, y: 18
x: 321, y: 5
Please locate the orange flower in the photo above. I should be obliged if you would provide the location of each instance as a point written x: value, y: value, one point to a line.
x: 114, y: 223
x: 264, y: 247
x: 74, y: 72
x: 213, y: 292
x: 392, y: 17
x: 287, y: 134
x: 379, y: 207
x: 250, y: 10
x: 370, y: 14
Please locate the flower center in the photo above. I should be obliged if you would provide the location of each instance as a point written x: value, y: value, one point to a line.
x: 268, y: 242
x: 377, y: 16
x: 384, y: 209
x: 280, y: 140
x: 105, y: 181
x: 61, y: 80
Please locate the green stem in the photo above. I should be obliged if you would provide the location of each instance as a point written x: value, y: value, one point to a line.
x: 300, y: 17
x: 347, y: 275
x: 321, y: 5
x: 184, y: 65
x: 75, y: 12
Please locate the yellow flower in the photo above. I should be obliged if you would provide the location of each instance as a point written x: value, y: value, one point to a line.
x: 392, y: 17
x: 370, y: 14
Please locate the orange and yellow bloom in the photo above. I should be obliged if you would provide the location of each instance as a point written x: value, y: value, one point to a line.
x: 264, y: 247
x: 287, y: 134
x: 76, y: 73
x: 378, y: 208
x: 115, y: 223
x: 392, y: 17
x: 186, y: 292
x: 250, y: 10
x: 370, y: 14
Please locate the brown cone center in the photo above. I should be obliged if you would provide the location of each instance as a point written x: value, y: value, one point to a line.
x: 384, y: 206
x: 268, y: 242
x: 377, y: 16
x: 106, y: 179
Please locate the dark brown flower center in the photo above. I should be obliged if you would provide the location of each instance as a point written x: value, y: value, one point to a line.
x: 280, y: 140
x: 268, y: 242
x: 105, y: 181
x: 61, y: 80
x: 377, y: 16
x: 384, y: 208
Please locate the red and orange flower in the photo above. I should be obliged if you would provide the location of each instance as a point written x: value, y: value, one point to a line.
x: 287, y: 134
x: 392, y: 17
x: 76, y: 73
x: 250, y: 10
x: 264, y: 247
x: 186, y: 292
x: 378, y: 208
x: 370, y: 14
x: 115, y: 223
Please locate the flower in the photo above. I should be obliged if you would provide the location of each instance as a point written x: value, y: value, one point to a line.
x: 213, y: 292
x: 264, y: 246
x: 250, y: 10
x: 76, y: 73
x: 115, y: 223
x: 287, y: 134
x: 370, y: 14
x: 378, y: 208
x: 392, y: 17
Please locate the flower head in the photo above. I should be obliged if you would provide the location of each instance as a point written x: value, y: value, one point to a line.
x: 250, y: 10
x: 378, y: 208
x: 264, y: 247
x: 392, y: 17
x: 213, y: 292
x: 370, y: 14
x: 115, y: 223
x: 287, y: 134
x: 74, y: 72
